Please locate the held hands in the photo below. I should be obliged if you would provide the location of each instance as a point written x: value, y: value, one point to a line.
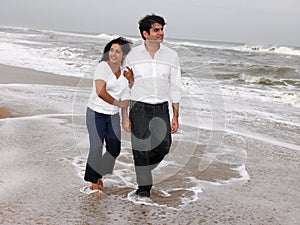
x: 122, y: 104
x: 129, y: 75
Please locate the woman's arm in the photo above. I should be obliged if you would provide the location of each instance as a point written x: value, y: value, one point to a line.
x: 125, y: 120
x: 103, y: 94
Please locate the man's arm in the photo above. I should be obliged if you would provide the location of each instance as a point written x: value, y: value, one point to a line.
x: 175, y: 124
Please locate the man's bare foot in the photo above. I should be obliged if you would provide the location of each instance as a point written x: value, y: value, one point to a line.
x: 94, y: 186
x: 97, y: 185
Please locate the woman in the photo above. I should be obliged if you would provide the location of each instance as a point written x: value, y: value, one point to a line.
x: 110, y: 93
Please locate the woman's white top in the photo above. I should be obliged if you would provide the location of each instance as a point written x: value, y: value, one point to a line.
x: 117, y: 87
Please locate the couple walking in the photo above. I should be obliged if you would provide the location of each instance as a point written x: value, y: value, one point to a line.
x: 145, y: 79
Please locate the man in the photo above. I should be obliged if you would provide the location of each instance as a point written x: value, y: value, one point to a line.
x: 157, y: 78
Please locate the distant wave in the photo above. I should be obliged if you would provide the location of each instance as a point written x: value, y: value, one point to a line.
x: 260, y: 79
x: 211, y: 45
x: 69, y: 52
x: 236, y: 47
x: 178, y: 43
x: 112, y: 36
x: 264, y: 80
x: 103, y: 36
x: 107, y: 36
x: 273, y: 70
x: 35, y: 30
x: 271, y: 49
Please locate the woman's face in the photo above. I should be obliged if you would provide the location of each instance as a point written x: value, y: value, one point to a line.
x: 115, y: 54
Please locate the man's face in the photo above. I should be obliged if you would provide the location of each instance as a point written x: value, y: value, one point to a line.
x: 156, y: 33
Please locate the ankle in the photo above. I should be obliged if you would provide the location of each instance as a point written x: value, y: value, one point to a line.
x: 95, y: 186
x: 100, y: 183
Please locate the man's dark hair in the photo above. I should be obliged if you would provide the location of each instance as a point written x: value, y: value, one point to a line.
x: 146, y: 23
x: 123, y: 42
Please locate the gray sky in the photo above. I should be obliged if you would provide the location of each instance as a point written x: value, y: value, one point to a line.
x: 274, y: 22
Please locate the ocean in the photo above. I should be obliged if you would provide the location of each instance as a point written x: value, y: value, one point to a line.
x: 231, y: 92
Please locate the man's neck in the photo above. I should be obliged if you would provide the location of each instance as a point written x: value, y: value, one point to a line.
x: 152, y: 47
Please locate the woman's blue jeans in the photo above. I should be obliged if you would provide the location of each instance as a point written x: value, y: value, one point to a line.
x: 102, y: 127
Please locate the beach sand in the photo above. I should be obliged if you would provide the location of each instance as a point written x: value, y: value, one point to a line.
x: 5, y: 113
x: 17, y: 75
x: 39, y: 184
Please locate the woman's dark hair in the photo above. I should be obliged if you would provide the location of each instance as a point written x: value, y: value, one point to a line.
x: 123, y: 42
x: 146, y: 23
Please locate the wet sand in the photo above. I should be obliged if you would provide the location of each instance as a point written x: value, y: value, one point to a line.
x: 17, y: 75
x: 39, y: 184
x: 5, y: 113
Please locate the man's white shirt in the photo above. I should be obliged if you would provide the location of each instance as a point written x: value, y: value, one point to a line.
x: 157, y: 79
